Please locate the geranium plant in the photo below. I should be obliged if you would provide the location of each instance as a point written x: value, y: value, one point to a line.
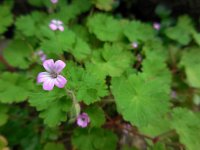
x: 76, y: 74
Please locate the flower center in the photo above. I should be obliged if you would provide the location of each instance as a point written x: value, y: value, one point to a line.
x: 83, y: 119
x: 54, y: 75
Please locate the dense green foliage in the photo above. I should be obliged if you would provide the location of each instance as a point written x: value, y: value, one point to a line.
x: 149, y: 93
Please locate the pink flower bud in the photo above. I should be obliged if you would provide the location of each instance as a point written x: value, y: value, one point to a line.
x: 156, y: 25
x: 83, y: 120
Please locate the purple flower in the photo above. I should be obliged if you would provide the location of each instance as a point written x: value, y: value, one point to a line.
x: 56, y: 25
x: 54, y: 1
x: 42, y: 55
x: 156, y: 25
x: 134, y: 45
x: 52, y: 76
x: 83, y: 120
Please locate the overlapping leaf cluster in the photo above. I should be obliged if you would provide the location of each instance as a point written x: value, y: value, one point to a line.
x: 113, y: 82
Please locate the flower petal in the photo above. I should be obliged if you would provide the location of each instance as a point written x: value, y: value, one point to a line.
x: 49, y: 65
x: 54, y: 21
x: 43, y: 58
x: 59, y: 22
x: 60, y: 27
x: 60, y: 81
x: 54, y: 1
x: 83, y: 120
x: 59, y: 66
x: 82, y: 123
x: 52, y: 26
x: 48, y: 84
x: 43, y: 76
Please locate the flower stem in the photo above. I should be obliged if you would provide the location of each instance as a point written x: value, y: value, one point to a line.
x: 75, y: 107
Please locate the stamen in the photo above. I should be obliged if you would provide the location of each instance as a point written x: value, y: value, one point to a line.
x: 54, y: 75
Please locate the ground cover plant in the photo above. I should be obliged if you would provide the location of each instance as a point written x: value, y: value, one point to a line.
x: 78, y: 75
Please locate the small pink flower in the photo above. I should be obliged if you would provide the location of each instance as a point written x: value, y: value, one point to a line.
x: 156, y: 25
x: 56, y: 25
x: 134, y: 45
x: 52, y: 76
x: 54, y: 1
x: 42, y: 55
x: 83, y: 120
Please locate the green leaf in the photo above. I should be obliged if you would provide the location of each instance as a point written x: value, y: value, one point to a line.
x: 59, y: 42
x: 91, y: 89
x: 74, y: 74
x: 53, y: 106
x: 105, y: 61
x: 144, y: 97
x: 137, y: 31
x: 17, y: 54
x: 82, y: 7
x: 81, y: 31
x: 106, y: 28
x: 181, y: 33
x: 5, y: 17
x: 158, y: 146
x: 187, y: 126
x: 26, y: 25
x: 191, y: 62
x: 157, y: 127
x: 94, y: 139
x: 106, y: 5
x: 196, y: 37
x: 140, y: 100
x: 156, y: 56
x: 11, y: 84
x: 29, y: 24
x: 54, y: 146
x: 72, y: 10
x: 88, y: 87
x: 3, y: 114
x: 96, y: 114
x: 81, y: 50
